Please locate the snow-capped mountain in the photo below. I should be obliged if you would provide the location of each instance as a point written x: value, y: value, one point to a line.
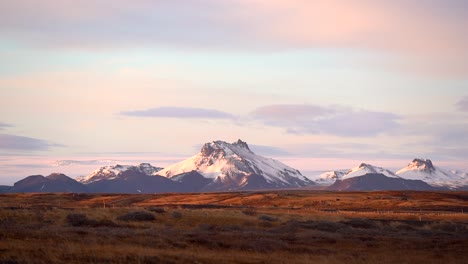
x: 327, y: 178
x: 113, y: 172
x: 366, y: 177
x: 364, y: 169
x: 330, y: 177
x: 235, y: 167
x: 421, y: 169
x: 378, y: 182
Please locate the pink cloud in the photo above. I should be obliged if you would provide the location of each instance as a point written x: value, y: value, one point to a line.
x: 428, y: 38
x: 393, y: 25
x: 426, y: 28
x: 332, y: 120
x: 285, y: 112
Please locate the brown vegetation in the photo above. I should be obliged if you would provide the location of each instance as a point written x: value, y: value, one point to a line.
x: 257, y: 227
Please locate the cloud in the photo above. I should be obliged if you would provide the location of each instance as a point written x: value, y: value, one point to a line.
x: 100, y: 162
x: 268, y: 150
x: 179, y: 112
x: 13, y: 142
x: 4, y: 125
x: 449, y: 153
x: 280, y: 113
x: 333, y: 120
x: 93, y: 25
x: 440, y: 136
x: 462, y: 105
x: 359, y: 123
x: 356, y: 151
x: 452, y: 135
x: 432, y: 33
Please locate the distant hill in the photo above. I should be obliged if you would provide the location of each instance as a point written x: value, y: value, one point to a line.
x: 55, y: 182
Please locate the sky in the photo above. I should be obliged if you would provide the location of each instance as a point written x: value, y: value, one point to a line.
x: 319, y: 85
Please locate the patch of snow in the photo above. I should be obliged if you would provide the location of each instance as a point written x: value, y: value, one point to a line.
x: 364, y: 169
x: 112, y: 172
x: 326, y: 178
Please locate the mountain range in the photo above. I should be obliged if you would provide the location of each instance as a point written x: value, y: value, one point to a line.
x: 222, y: 166
x: 418, y: 170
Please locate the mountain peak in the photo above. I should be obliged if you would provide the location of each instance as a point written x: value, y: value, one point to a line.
x: 232, y: 166
x: 57, y: 176
x: 222, y: 148
x: 241, y: 144
x: 421, y: 164
x: 365, y: 165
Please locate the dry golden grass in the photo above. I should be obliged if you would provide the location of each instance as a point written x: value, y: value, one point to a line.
x: 257, y: 227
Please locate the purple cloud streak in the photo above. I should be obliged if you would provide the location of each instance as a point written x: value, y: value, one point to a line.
x: 15, y: 143
x: 179, y: 112
x: 334, y: 120
x: 4, y: 125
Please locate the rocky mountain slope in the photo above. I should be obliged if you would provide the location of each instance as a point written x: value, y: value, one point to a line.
x: 235, y: 167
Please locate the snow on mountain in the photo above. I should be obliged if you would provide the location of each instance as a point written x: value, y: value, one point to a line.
x: 420, y: 169
x: 113, y: 172
x: 235, y: 166
x: 459, y: 173
x: 327, y: 178
x: 364, y: 169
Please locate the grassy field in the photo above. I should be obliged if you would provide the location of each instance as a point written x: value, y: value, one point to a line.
x: 248, y: 227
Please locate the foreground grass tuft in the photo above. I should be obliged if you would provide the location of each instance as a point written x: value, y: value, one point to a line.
x: 78, y: 220
x: 137, y: 216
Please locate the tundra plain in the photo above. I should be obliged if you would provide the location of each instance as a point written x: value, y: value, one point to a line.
x: 235, y: 227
